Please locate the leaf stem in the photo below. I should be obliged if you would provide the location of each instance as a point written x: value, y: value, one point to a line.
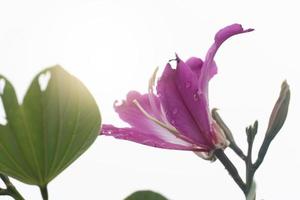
x: 10, y: 189
x: 238, y: 151
x: 44, y: 192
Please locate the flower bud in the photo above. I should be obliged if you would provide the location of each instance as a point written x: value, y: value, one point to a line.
x: 279, y: 112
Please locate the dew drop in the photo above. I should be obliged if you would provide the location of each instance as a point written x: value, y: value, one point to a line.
x: 175, y: 111
x: 187, y: 84
x: 196, y: 97
x: 167, y: 114
x: 173, y: 122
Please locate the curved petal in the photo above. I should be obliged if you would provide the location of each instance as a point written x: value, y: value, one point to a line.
x: 229, y: 31
x: 220, y: 37
x: 131, y: 113
x: 177, y: 111
x: 195, y: 64
x: 146, y: 137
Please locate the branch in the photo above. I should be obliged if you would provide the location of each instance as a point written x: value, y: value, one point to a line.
x: 10, y: 189
x: 219, y: 153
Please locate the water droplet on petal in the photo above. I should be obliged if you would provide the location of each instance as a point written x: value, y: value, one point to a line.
x: 172, y: 121
x: 196, y: 97
x: 187, y: 85
x: 175, y: 111
x: 167, y: 114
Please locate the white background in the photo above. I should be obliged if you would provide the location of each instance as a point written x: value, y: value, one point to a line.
x: 114, y: 46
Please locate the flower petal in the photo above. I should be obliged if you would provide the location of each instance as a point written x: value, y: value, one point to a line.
x: 196, y: 103
x: 177, y: 111
x: 220, y: 37
x: 229, y: 31
x: 195, y: 64
x: 129, y: 112
x: 145, y: 137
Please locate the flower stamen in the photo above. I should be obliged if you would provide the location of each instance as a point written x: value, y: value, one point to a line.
x: 151, y: 94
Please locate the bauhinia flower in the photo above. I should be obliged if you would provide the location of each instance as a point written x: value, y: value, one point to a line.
x: 178, y: 115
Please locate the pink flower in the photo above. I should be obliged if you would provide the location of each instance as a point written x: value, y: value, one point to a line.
x: 178, y: 116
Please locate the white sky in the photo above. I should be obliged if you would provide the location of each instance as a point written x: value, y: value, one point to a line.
x: 114, y: 46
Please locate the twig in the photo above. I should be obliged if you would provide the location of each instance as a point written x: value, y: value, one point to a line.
x: 10, y: 189
x: 219, y: 153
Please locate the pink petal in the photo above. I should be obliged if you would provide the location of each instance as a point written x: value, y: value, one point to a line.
x: 177, y: 110
x: 229, y: 31
x: 130, y: 113
x: 195, y: 64
x: 220, y: 37
x: 196, y: 103
x: 145, y: 137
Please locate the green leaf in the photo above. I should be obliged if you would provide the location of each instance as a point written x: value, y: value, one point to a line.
x: 53, y: 126
x: 145, y: 195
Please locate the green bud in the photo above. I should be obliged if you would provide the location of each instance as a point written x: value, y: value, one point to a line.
x: 279, y: 112
x: 221, y: 123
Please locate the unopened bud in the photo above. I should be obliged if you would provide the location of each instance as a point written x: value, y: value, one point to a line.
x: 279, y: 112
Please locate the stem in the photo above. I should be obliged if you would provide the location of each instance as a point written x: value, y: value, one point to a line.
x: 10, y: 189
x: 251, y: 195
x: 249, y: 187
x: 249, y: 166
x: 262, y: 152
x: 219, y: 153
x: 44, y: 192
x: 238, y: 151
x: 250, y: 169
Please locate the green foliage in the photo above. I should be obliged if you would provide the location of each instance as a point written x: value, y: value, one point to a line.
x: 49, y: 130
x: 145, y: 195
